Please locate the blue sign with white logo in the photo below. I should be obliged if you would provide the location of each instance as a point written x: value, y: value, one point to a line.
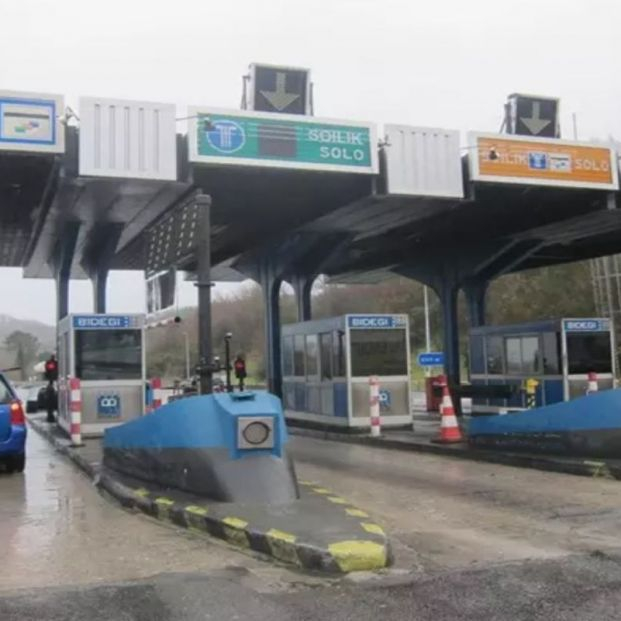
x: 586, y: 325
x: 431, y: 359
x: 538, y: 161
x: 226, y: 136
x: 368, y: 322
x: 109, y: 405
x: 103, y: 322
x: 384, y: 399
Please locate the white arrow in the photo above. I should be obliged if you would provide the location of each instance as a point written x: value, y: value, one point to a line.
x: 535, y: 123
x: 279, y: 98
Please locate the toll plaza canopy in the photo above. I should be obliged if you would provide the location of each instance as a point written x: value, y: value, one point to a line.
x: 293, y: 197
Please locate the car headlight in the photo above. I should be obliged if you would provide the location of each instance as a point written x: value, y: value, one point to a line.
x: 255, y: 432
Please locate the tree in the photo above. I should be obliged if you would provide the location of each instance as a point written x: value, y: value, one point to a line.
x: 26, y: 346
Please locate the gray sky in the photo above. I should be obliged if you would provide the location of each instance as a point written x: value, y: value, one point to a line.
x: 444, y: 63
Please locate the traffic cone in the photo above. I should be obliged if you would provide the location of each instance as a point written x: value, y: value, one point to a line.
x: 449, y: 428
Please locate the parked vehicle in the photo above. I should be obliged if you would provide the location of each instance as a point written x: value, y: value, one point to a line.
x: 12, y: 428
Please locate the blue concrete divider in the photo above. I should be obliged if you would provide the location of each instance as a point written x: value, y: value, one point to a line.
x: 197, y: 445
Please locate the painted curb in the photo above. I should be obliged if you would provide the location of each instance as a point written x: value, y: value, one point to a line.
x: 370, y: 553
x: 585, y: 467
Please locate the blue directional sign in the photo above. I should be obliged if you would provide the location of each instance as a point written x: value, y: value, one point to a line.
x: 431, y: 359
x: 103, y: 322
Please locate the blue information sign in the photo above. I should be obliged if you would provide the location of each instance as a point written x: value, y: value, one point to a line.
x: 109, y: 405
x: 370, y: 322
x: 431, y: 359
x: 103, y: 322
x: 586, y: 325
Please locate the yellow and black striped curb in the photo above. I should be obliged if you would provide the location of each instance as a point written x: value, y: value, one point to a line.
x: 345, y: 539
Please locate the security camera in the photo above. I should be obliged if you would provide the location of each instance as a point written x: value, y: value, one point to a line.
x: 493, y: 154
x: 228, y: 335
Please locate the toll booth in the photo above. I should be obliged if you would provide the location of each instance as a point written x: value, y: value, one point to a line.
x: 107, y: 354
x: 327, y: 364
x: 558, y: 353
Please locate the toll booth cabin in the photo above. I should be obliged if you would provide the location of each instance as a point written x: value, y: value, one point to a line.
x: 107, y: 354
x: 327, y: 364
x: 558, y: 353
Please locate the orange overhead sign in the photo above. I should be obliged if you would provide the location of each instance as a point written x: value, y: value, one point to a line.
x: 538, y: 161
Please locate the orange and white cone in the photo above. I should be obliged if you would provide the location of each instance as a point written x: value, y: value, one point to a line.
x: 449, y: 428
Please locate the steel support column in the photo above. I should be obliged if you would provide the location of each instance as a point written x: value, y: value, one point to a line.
x: 476, y: 297
x: 270, y: 284
x: 447, y: 293
x: 302, y: 285
x: 99, y: 280
x: 61, y: 262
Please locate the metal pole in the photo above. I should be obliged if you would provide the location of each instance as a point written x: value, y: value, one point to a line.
x: 427, y: 327
x: 227, y: 362
x: 187, y: 355
x: 204, y: 285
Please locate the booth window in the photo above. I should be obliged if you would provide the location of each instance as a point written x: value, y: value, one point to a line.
x: 312, y: 357
x: 287, y: 356
x: 108, y: 354
x: 523, y: 355
x: 588, y: 353
x: 338, y: 350
x: 325, y: 355
x: 378, y: 352
x: 298, y: 356
x: 494, y: 354
x: 551, y: 358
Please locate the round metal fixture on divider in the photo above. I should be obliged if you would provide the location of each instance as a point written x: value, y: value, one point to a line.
x: 256, y: 433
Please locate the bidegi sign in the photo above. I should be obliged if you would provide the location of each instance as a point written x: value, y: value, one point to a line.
x: 103, y: 322
x: 586, y: 325
x: 370, y: 322
x: 281, y: 141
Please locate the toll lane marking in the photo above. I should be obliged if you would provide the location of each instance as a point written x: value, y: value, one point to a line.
x: 142, y: 492
x: 358, y: 555
x: 321, y: 490
x: 282, y: 545
x: 234, y: 531
x: 374, y: 529
x: 282, y: 535
x: 337, y: 500
x: 196, y: 510
x: 356, y: 512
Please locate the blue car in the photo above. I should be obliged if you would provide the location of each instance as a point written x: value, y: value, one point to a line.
x: 12, y: 428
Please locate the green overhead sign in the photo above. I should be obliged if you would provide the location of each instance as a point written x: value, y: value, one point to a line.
x: 281, y: 141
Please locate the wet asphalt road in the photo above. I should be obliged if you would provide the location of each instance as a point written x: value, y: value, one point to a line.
x: 473, y: 541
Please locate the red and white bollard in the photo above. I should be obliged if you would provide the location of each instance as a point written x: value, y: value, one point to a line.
x: 75, y: 407
x: 374, y: 407
x: 156, y: 387
x: 592, y: 384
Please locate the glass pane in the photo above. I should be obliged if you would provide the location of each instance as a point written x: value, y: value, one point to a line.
x: 325, y: 346
x: 108, y: 354
x: 514, y: 356
x: 494, y: 355
x: 298, y: 356
x: 287, y: 356
x: 339, y: 354
x: 530, y: 354
x: 551, y: 357
x: 589, y: 352
x: 5, y: 393
x: 378, y: 352
x: 312, y: 356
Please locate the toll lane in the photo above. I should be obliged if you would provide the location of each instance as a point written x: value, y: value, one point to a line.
x: 55, y: 529
x: 446, y: 513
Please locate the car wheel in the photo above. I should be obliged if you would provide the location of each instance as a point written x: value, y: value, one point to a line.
x: 17, y: 463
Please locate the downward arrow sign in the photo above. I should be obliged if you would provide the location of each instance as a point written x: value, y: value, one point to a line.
x: 535, y: 123
x: 279, y: 98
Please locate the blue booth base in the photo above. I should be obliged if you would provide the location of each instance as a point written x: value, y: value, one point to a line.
x: 589, y: 426
x: 193, y: 445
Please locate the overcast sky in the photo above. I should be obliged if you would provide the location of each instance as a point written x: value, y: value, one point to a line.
x: 443, y: 63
